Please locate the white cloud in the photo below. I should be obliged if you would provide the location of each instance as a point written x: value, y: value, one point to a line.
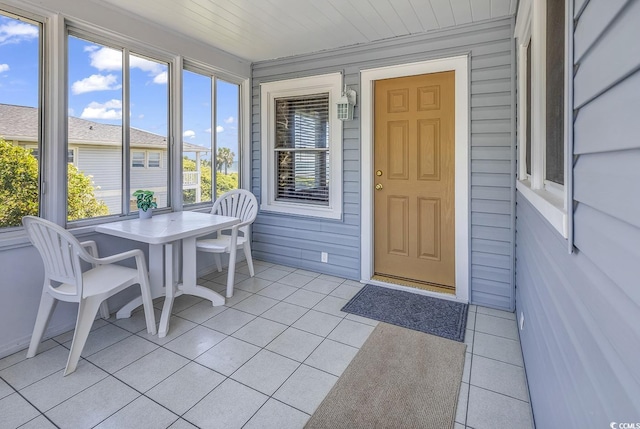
x: 105, y: 58
x: 229, y: 120
x: 4, y: 68
x: 145, y: 65
x: 111, y: 60
x: 141, y: 116
x: 71, y: 112
x: 208, y: 130
x: 219, y: 129
x: 161, y: 78
x: 189, y: 134
x: 16, y: 32
x: 112, y: 109
x: 95, y: 82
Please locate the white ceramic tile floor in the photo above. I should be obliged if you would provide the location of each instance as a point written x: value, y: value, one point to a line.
x: 265, y: 363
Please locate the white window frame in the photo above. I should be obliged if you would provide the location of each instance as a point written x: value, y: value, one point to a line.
x: 244, y: 131
x: 550, y: 199
x: 9, y: 233
x: 328, y: 83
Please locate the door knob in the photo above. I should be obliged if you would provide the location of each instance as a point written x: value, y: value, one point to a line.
x: 379, y: 173
x: 378, y: 186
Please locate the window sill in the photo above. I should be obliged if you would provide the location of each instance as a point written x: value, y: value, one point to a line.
x: 302, y: 210
x: 16, y: 239
x: 549, y: 205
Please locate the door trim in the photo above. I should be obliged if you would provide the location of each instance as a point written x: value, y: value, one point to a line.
x: 459, y: 64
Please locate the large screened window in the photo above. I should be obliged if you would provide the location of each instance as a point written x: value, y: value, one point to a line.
x: 119, y: 125
x: 20, y: 118
x: 211, y: 144
x: 301, y: 146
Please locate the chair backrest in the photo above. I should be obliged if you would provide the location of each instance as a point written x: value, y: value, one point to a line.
x: 237, y: 203
x: 60, y: 252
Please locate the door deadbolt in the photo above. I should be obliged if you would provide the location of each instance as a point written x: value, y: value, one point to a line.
x: 378, y: 186
x: 379, y: 173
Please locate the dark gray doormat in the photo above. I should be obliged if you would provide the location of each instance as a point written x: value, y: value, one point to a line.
x: 447, y: 319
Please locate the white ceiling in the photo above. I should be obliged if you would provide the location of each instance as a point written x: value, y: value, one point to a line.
x: 258, y: 30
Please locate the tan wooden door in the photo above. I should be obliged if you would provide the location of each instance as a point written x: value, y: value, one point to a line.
x: 414, y: 179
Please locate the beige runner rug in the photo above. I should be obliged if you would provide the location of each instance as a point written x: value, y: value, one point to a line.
x: 400, y: 378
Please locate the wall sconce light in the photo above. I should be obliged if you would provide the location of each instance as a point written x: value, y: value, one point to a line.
x: 346, y: 104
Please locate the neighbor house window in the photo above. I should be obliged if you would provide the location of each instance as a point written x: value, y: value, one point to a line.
x: 137, y: 159
x: 118, y: 100
x: 71, y: 156
x: 21, y: 61
x: 540, y: 31
x: 146, y: 159
x: 301, y: 146
x: 153, y: 159
x: 35, y: 152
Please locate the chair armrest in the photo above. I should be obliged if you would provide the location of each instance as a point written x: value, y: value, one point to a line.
x: 135, y: 253
x: 141, y: 264
x: 91, y: 247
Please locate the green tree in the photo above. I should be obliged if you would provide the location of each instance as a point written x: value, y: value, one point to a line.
x: 224, y: 158
x: 18, y: 184
x: 19, y: 188
x: 81, y: 200
x: 226, y: 182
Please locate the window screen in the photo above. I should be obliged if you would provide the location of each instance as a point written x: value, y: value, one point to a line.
x: 554, y: 161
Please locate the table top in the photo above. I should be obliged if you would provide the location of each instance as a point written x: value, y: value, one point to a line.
x: 165, y: 228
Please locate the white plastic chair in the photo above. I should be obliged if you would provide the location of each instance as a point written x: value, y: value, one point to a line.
x: 64, y: 280
x: 236, y: 203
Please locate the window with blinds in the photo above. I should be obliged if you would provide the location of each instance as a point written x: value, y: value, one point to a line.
x: 301, y: 149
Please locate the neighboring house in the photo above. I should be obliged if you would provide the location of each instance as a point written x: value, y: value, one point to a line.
x: 96, y: 149
x: 548, y: 231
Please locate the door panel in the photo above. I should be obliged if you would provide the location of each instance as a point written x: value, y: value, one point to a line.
x: 414, y: 153
x: 398, y: 215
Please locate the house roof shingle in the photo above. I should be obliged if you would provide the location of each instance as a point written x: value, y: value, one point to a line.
x: 21, y: 123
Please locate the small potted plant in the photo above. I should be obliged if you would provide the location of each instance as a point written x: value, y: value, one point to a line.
x: 144, y: 200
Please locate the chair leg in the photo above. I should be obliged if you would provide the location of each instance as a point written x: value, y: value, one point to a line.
x: 87, y: 310
x: 216, y: 257
x: 104, y: 310
x: 47, y: 305
x: 247, y: 254
x: 147, y: 307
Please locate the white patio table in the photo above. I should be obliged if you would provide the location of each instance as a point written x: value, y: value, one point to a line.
x: 164, y: 232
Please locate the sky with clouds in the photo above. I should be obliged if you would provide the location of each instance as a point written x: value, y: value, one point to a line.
x: 95, y: 87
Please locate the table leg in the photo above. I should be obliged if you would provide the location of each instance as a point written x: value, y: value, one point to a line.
x: 190, y: 276
x: 169, y: 290
x: 156, y: 265
x: 231, y: 275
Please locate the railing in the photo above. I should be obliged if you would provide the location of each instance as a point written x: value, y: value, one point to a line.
x: 190, y: 179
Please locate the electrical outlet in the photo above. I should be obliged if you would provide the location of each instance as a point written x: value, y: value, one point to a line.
x: 521, y: 320
x: 324, y: 257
